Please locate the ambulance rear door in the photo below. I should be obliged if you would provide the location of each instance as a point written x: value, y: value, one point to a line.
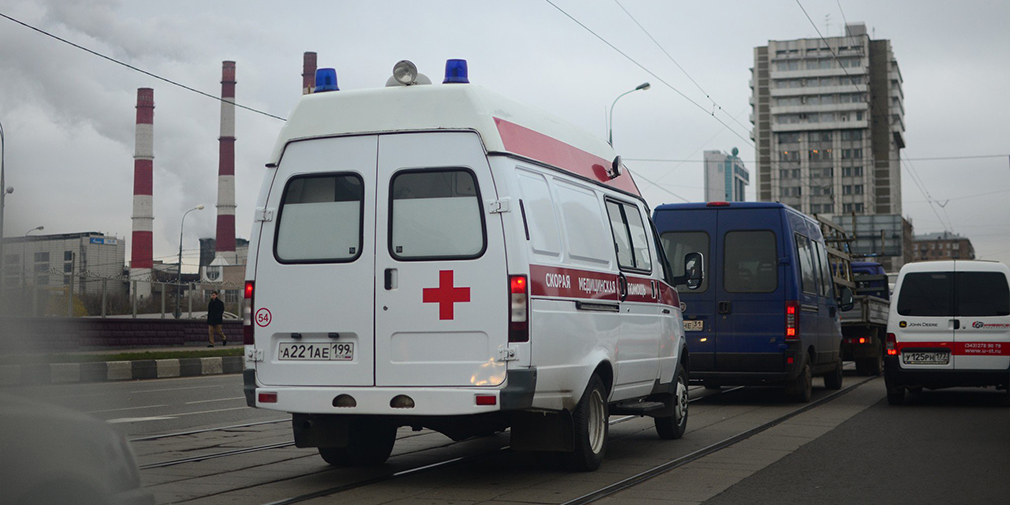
x: 442, y: 290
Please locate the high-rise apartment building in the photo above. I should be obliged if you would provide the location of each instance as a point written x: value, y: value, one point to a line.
x: 726, y: 178
x: 829, y: 124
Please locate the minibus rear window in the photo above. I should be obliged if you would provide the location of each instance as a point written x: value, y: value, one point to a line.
x: 926, y: 294
x: 436, y: 214
x: 677, y: 244
x: 320, y: 219
x: 981, y: 294
x: 750, y: 262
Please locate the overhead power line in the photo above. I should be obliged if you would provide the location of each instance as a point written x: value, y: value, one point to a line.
x: 650, y: 72
x: 131, y: 67
x: 934, y: 158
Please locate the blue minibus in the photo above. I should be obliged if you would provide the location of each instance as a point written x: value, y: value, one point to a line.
x: 766, y: 311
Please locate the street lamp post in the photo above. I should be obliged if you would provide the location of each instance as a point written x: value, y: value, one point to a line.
x: 178, y: 282
x: 3, y: 202
x: 23, y: 261
x: 610, y: 127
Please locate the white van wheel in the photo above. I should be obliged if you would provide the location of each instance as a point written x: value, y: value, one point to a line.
x: 368, y: 445
x: 590, y: 427
x: 673, y: 427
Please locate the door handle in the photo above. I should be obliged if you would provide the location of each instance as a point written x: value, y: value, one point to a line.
x: 390, y: 278
x: 957, y: 324
x: 622, y: 287
x: 832, y: 311
x: 725, y: 307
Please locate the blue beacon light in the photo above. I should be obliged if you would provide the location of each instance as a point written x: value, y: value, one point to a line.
x: 455, y: 72
x: 326, y: 80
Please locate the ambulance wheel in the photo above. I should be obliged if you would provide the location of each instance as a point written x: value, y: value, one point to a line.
x: 590, y: 428
x: 833, y: 380
x: 368, y: 445
x: 895, y: 394
x: 801, y: 388
x: 673, y: 427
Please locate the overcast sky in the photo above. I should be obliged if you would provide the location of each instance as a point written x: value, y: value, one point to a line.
x: 69, y: 115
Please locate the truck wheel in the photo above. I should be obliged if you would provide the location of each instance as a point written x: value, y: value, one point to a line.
x: 673, y: 427
x: 590, y: 427
x: 895, y: 393
x: 801, y: 388
x: 833, y: 380
x: 369, y: 444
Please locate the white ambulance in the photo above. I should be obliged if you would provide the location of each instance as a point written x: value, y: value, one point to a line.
x: 949, y: 326
x: 439, y: 256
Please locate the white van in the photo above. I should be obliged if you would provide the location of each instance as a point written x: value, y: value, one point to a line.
x: 949, y: 326
x: 440, y: 256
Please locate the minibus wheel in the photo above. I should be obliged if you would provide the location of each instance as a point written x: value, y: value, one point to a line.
x: 369, y: 444
x: 801, y: 388
x: 590, y: 427
x: 833, y: 380
x: 673, y: 427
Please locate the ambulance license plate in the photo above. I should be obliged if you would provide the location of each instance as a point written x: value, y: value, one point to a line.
x: 925, y: 358
x: 343, y: 351
x: 694, y: 325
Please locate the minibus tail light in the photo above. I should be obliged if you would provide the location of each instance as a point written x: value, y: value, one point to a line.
x: 247, y: 314
x: 519, y: 328
x: 892, y: 345
x: 792, y: 320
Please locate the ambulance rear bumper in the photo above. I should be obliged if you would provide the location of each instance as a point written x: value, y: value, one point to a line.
x: 515, y: 394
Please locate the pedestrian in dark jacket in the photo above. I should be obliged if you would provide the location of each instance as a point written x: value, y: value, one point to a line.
x: 215, y: 314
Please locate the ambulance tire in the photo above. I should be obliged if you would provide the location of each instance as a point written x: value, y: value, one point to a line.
x: 369, y: 444
x: 833, y: 380
x: 590, y: 428
x: 895, y: 394
x: 673, y: 427
x: 801, y: 388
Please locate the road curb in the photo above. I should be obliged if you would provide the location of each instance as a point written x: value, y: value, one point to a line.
x: 112, y: 371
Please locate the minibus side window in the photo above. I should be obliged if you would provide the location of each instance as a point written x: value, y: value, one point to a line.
x: 435, y: 214
x: 827, y: 283
x: 981, y: 294
x: 808, y: 270
x: 630, y: 239
x: 926, y: 294
x: 750, y: 262
x: 678, y: 244
x: 320, y: 219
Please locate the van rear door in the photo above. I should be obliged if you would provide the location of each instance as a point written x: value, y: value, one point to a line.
x: 925, y: 329
x: 982, y: 309
x: 750, y: 299
x: 441, y: 283
x: 687, y: 231
x: 315, y: 267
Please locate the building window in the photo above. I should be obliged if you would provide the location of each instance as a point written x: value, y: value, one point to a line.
x: 68, y: 267
x: 788, y: 138
x: 68, y: 255
x: 42, y: 257
x: 852, y: 135
x: 857, y: 189
x: 859, y: 115
x: 820, y: 136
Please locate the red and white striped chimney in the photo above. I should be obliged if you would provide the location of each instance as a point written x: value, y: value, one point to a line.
x: 225, y: 243
x: 308, y: 72
x: 142, y: 249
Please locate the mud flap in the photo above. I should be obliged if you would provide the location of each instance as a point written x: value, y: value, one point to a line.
x: 320, y: 430
x: 543, y: 431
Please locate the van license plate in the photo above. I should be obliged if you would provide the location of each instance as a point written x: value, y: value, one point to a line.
x: 925, y: 358
x: 694, y: 325
x: 343, y: 351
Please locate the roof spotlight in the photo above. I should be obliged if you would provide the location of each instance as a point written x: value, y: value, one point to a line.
x: 405, y: 72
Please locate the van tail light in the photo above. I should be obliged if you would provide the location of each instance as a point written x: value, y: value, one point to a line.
x: 519, y: 326
x: 792, y: 320
x: 891, y: 345
x: 247, y: 314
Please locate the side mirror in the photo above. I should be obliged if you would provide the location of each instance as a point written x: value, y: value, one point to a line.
x: 694, y: 269
x: 846, y: 301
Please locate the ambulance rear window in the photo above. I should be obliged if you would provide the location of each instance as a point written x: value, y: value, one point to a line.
x: 320, y: 219
x: 436, y: 214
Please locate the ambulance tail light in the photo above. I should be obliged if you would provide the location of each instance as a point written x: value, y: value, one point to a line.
x: 247, y: 313
x: 891, y: 345
x: 519, y: 327
x: 792, y: 320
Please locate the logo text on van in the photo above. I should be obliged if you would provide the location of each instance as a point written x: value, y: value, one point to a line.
x: 445, y: 295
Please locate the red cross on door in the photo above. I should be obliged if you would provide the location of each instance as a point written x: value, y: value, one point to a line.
x: 445, y: 295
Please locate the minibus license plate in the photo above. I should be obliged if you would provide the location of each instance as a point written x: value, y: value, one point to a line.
x: 925, y: 358
x: 343, y: 351
x: 694, y: 325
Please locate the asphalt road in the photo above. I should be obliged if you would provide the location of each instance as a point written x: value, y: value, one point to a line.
x: 947, y: 446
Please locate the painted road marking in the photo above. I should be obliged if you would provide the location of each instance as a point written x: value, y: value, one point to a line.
x: 137, y: 419
x: 125, y: 408
x: 218, y: 400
